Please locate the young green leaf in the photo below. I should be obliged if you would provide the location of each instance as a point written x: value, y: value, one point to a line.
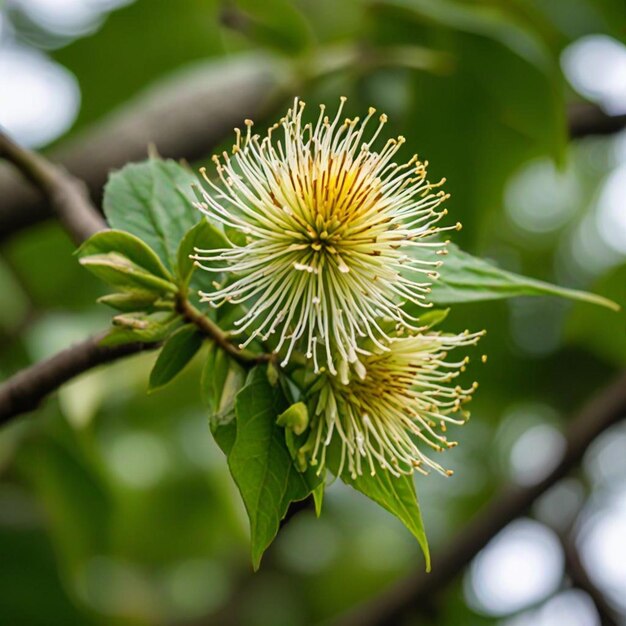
x: 120, y: 272
x: 133, y: 248
x: 260, y: 463
x: 397, y: 495
x: 225, y: 434
x: 432, y: 317
x: 180, y: 347
x: 141, y: 327
x: 295, y: 418
x: 318, y: 498
x: 220, y: 382
x: 153, y: 201
x: 466, y: 278
x: 136, y: 300
x: 203, y: 235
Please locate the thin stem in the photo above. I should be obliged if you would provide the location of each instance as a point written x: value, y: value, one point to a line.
x: 68, y: 196
x: 219, y: 336
x: 25, y: 390
x: 581, y: 580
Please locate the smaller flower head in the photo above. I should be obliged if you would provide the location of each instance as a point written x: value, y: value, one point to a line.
x: 402, y: 405
x: 332, y: 230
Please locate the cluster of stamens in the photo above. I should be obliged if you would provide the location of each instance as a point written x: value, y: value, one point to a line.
x: 333, y: 239
x: 406, y: 400
x: 333, y: 231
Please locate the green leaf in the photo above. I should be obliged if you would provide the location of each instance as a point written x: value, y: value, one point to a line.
x: 225, y: 435
x: 260, y: 463
x: 220, y: 382
x: 466, y: 278
x: 133, y: 248
x: 120, y: 272
x: 141, y: 327
x: 295, y: 418
x: 235, y: 236
x: 509, y: 28
x: 153, y: 201
x: 138, y: 302
x: 432, y: 317
x: 207, y: 388
x: 203, y: 235
x: 397, y: 495
x: 177, y: 351
x: 318, y: 498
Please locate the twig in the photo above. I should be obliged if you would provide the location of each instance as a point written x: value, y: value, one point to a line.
x: 587, y: 119
x: 67, y: 195
x: 26, y: 390
x: 607, y: 408
x: 580, y: 579
x: 211, y: 330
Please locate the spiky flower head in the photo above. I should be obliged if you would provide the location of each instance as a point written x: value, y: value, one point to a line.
x: 332, y: 230
x: 401, y: 407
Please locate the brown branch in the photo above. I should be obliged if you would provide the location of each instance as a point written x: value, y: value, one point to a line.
x: 405, y: 597
x: 587, y: 119
x: 67, y: 195
x: 580, y: 579
x: 185, y: 116
x: 26, y: 390
x: 222, y: 339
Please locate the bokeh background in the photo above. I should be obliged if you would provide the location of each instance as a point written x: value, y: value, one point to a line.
x: 117, y: 508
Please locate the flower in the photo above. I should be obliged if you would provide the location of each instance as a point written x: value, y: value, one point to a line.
x: 330, y: 233
x: 383, y: 420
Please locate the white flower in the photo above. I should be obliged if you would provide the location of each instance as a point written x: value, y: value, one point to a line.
x: 403, y: 404
x: 328, y: 224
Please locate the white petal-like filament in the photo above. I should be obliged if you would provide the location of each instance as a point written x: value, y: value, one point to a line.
x: 327, y: 221
x: 383, y: 420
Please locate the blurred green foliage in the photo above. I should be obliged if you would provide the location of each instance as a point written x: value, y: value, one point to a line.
x: 116, y: 507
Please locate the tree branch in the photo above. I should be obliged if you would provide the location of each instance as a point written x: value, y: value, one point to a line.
x: 587, y: 119
x: 580, y: 579
x: 67, y: 195
x: 405, y: 597
x: 184, y: 116
x: 26, y: 390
